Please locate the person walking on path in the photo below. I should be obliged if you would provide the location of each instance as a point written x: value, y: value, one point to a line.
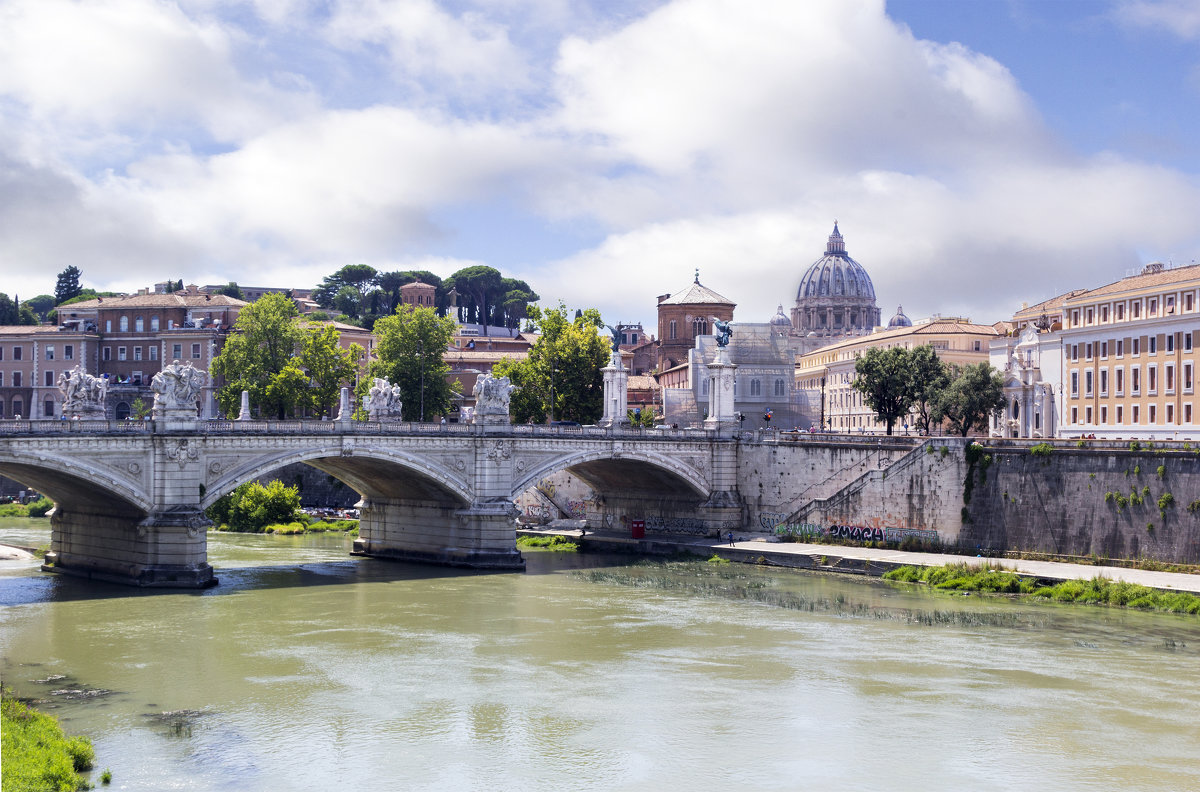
x: 729, y: 536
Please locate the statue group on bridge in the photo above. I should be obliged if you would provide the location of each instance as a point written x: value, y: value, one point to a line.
x: 492, y: 395
x: 83, y: 393
x: 382, y: 400
x: 177, y: 389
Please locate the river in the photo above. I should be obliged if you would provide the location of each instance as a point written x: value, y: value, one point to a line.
x: 306, y: 669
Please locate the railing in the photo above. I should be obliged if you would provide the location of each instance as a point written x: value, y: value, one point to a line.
x: 73, y: 426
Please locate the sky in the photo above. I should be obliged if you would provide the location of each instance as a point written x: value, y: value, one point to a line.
x: 976, y: 155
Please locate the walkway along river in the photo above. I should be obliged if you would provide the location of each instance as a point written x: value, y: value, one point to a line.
x: 306, y: 669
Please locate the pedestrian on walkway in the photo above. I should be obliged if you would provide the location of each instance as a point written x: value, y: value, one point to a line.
x: 730, y: 537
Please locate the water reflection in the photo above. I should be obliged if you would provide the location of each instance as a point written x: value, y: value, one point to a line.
x: 307, y: 669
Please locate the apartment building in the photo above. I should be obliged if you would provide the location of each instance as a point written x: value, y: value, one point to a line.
x: 1129, y: 356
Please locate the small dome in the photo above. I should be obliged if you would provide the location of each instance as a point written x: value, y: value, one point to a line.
x: 899, y: 320
x: 780, y: 320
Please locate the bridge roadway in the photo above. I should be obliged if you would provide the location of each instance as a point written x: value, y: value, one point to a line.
x: 131, y: 495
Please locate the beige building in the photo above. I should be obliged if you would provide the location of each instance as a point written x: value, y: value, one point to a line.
x: 1129, y: 356
x: 826, y: 374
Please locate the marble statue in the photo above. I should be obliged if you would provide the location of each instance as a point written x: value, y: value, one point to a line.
x: 177, y: 388
x: 382, y: 400
x: 83, y: 393
x: 492, y: 395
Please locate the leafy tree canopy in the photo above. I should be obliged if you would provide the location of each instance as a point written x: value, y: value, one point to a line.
x: 561, y: 378
x: 328, y: 365
x: 973, y: 394
x: 486, y: 297
x: 930, y: 378
x: 68, y: 285
x: 41, y: 305
x: 885, y: 378
x: 13, y: 314
x: 231, y: 289
x: 263, y: 343
x: 411, y: 346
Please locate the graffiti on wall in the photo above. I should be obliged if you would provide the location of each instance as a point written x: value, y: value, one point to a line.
x: 771, y: 520
x: 538, y: 512
x: 856, y: 533
x: 577, y: 508
x: 685, y: 525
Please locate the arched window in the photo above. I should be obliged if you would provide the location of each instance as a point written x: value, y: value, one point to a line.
x: 699, y: 326
x: 756, y: 387
x: 124, y: 324
x: 122, y: 411
x: 705, y: 388
x: 17, y: 405
x: 138, y: 324
x: 779, y: 388
x: 1, y: 408
x: 672, y: 333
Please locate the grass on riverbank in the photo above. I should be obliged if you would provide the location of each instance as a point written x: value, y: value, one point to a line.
x: 37, y: 754
x: 37, y: 508
x: 553, y: 543
x: 297, y: 527
x: 1097, y: 591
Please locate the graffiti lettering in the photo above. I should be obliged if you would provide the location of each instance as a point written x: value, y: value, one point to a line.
x: 856, y: 533
x: 685, y: 525
x: 769, y: 520
x: 577, y: 508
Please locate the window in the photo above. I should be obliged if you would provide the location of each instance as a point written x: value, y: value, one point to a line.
x: 1137, y: 311
x: 1120, y: 348
x: 16, y: 353
x: 49, y: 378
x: 124, y: 321
x: 1074, y: 351
x: 1, y: 379
x: 1170, y: 342
x: 780, y: 388
x: 17, y: 404
x: 1137, y: 344
x: 1088, y: 418
x: 1170, y: 413
x: 1087, y: 383
x: 1135, y: 384
x: 1151, y: 380
x: 1187, y: 409
x: 1187, y: 301
x: 1104, y: 350
x: 68, y: 351
x: 138, y: 324
x: 1103, y: 382
x: 16, y: 379
x: 699, y: 327
x: 1187, y: 342
x: 171, y: 325
x: 1187, y: 377
x: 1169, y: 376
x: 1103, y: 414
x: 137, y: 353
x: 177, y: 351
x: 1104, y: 313
x: 1153, y: 413
x: 120, y: 353
x: 154, y: 353
x: 1074, y: 415
x: 1120, y: 413
x: 1135, y: 413
x: 1089, y: 352
x: 196, y: 351
x: 1, y: 353
x: 48, y: 408
x: 106, y: 353
x: 1075, y: 318
x: 154, y: 323
x: 672, y: 331
x: 755, y: 387
x: 1090, y: 316
x: 1120, y: 311
x: 1170, y: 306
x: 108, y: 325
x: 49, y: 351
x: 1152, y: 344
x: 1075, y: 383
x: 1152, y: 310
x: 1120, y: 374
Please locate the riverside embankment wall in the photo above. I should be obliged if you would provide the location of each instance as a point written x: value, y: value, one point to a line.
x: 1058, y: 502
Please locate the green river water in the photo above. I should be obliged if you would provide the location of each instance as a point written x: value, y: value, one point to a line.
x: 306, y: 669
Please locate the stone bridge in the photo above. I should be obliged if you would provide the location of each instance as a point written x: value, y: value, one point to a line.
x: 131, y: 496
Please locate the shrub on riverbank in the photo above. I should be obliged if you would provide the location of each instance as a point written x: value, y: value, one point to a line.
x: 555, y: 543
x: 38, y: 508
x: 1097, y: 591
x: 37, y: 755
x: 252, y: 507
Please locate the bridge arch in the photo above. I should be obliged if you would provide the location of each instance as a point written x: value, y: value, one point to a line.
x: 403, y: 475
x: 596, y: 464
x: 78, y: 484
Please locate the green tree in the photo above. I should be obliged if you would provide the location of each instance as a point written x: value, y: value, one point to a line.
x: 252, y: 506
x: 974, y: 393
x: 481, y: 287
x: 930, y: 378
x: 231, y: 289
x: 643, y: 417
x: 560, y: 379
x: 68, y: 285
x: 411, y: 345
x: 41, y: 306
x: 347, y: 289
x: 264, y: 341
x: 885, y: 379
x: 329, y: 367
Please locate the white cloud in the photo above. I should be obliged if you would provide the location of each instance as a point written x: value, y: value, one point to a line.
x: 1179, y: 17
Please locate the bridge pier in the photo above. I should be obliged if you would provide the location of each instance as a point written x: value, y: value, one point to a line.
x: 165, y: 550
x: 481, y: 536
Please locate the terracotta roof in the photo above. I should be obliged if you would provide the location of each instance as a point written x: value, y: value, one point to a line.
x: 1052, y: 305
x: 1149, y: 280
x: 641, y: 382
x: 697, y: 294
x: 175, y: 300
x: 27, y: 329
x: 926, y: 328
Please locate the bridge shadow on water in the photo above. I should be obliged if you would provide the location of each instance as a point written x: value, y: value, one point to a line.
x: 38, y: 587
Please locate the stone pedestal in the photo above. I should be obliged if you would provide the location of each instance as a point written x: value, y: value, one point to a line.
x: 166, y: 550
x: 480, y: 536
x: 345, y: 411
x: 244, y: 414
x: 616, y: 393
x: 721, y: 415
